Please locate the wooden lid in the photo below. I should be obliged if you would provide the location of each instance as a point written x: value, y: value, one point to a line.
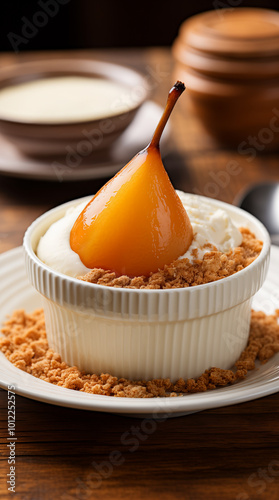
x: 240, y: 32
x: 217, y: 66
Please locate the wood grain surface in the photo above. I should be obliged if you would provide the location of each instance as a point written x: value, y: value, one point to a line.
x: 61, y: 453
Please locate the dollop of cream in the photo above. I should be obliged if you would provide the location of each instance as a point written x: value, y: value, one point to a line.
x: 54, y: 246
x: 210, y: 224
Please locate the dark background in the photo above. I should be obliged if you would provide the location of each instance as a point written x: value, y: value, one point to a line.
x: 105, y: 23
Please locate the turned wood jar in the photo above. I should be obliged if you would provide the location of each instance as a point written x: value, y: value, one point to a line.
x: 229, y: 62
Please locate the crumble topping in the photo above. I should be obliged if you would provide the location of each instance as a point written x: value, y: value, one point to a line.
x: 24, y: 344
x: 182, y: 273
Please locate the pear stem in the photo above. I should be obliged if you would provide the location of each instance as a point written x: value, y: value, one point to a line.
x: 174, y: 93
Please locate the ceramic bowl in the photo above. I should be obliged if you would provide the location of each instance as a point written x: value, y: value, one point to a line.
x: 146, y: 334
x: 81, y: 135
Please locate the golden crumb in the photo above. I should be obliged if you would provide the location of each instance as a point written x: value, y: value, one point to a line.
x: 182, y: 273
x: 24, y: 343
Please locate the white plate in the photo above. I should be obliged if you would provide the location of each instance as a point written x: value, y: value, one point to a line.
x: 100, y: 164
x: 16, y: 293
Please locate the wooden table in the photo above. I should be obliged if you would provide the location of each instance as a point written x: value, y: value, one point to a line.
x: 226, y: 453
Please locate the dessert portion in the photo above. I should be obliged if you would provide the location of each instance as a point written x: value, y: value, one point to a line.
x: 139, y: 202
x: 212, y: 229
x: 218, y: 249
x: 24, y: 344
x: 139, y: 232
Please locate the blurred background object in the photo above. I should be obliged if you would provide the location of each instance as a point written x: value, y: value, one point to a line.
x: 227, y: 56
x: 262, y: 201
x: 47, y: 106
x: 234, y: 89
x: 230, y: 61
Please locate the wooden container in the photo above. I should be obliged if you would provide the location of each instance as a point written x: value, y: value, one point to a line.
x: 229, y: 62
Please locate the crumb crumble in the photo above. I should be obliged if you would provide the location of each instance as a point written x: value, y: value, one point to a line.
x: 181, y: 273
x: 24, y: 344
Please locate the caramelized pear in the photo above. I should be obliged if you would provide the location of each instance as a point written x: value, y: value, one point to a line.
x: 136, y: 223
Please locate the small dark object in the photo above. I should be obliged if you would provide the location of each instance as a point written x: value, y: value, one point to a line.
x: 262, y: 201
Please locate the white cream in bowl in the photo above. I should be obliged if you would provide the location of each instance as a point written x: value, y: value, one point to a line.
x: 65, y: 99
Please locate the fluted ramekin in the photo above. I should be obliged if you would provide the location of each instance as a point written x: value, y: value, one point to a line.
x: 146, y: 334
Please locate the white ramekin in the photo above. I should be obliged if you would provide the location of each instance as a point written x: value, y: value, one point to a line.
x: 146, y: 334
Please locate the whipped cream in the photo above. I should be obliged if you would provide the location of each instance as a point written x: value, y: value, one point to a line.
x: 64, y: 99
x: 54, y: 246
x: 210, y: 224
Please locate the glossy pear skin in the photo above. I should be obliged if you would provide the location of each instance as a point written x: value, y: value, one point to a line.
x: 136, y: 223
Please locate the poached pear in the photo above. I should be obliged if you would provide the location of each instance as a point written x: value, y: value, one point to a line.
x: 136, y: 222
